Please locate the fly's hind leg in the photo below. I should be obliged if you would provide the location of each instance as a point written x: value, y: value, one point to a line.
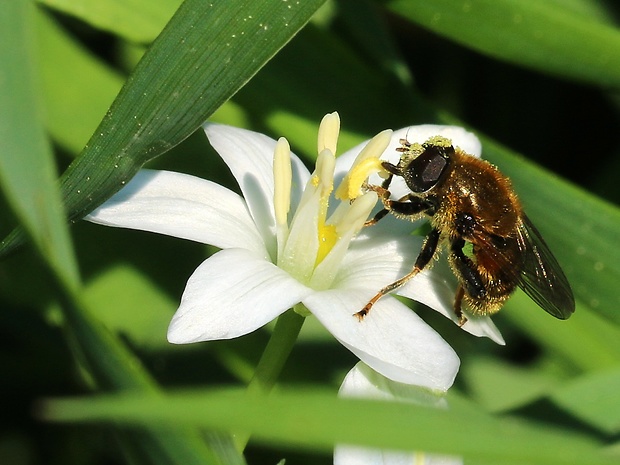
x: 426, y: 254
x: 470, y: 279
x: 458, y: 301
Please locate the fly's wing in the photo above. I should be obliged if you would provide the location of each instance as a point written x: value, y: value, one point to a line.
x: 541, y: 276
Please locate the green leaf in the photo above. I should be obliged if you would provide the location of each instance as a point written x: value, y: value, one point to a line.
x: 587, y: 341
x: 126, y: 302
x: 544, y: 36
x: 135, y: 20
x: 204, y: 55
x: 27, y: 172
x: 73, y: 104
x: 500, y: 386
x: 594, y: 399
x: 316, y: 419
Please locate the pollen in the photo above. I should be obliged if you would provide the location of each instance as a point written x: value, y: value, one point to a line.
x: 366, y: 163
x: 351, y: 186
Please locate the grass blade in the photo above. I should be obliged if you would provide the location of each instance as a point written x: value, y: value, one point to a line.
x: 545, y: 36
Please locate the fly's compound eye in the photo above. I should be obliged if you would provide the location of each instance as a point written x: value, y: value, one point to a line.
x: 424, y: 171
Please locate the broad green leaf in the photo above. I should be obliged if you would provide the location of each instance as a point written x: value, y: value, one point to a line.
x: 126, y: 302
x: 586, y: 340
x: 316, y: 419
x: 27, y: 173
x: 593, y: 9
x: 544, y: 36
x: 594, y: 399
x: 135, y: 20
x: 500, y: 386
x: 204, y: 55
x: 73, y: 104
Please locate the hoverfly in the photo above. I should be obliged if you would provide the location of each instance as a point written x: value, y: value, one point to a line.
x: 493, y: 248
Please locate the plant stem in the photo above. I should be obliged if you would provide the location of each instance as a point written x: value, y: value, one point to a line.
x: 273, y: 359
x: 277, y: 351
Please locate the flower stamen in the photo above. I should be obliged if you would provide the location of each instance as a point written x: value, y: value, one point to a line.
x: 355, y: 217
x: 282, y: 177
x: 365, y: 164
x: 312, y: 241
x: 329, y: 129
x: 325, y: 165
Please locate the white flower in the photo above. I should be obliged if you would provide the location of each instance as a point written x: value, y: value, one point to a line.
x: 362, y: 382
x: 283, y: 245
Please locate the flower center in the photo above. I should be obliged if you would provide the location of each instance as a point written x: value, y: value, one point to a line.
x: 313, y: 243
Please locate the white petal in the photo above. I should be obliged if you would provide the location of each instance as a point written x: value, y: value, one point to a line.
x: 376, y: 260
x: 459, y: 136
x: 350, y: 455
x: 380, y: 256
x: 391, y: 339
x: 182, y: 206
x: 363, y: 382
x: 232, y: 293
x: 483, y: 326
x: 249, y: 155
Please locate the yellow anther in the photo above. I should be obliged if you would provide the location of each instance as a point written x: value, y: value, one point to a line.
x: 365, y: 164
x: 351, y: 186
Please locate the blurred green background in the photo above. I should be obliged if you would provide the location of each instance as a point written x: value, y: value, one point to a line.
x: 537, y: 81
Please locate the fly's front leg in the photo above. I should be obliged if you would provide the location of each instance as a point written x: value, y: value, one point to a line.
x: 375, y: 219
x: 409, y: 205
x: 384, y: 195
x: 426, y: 254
